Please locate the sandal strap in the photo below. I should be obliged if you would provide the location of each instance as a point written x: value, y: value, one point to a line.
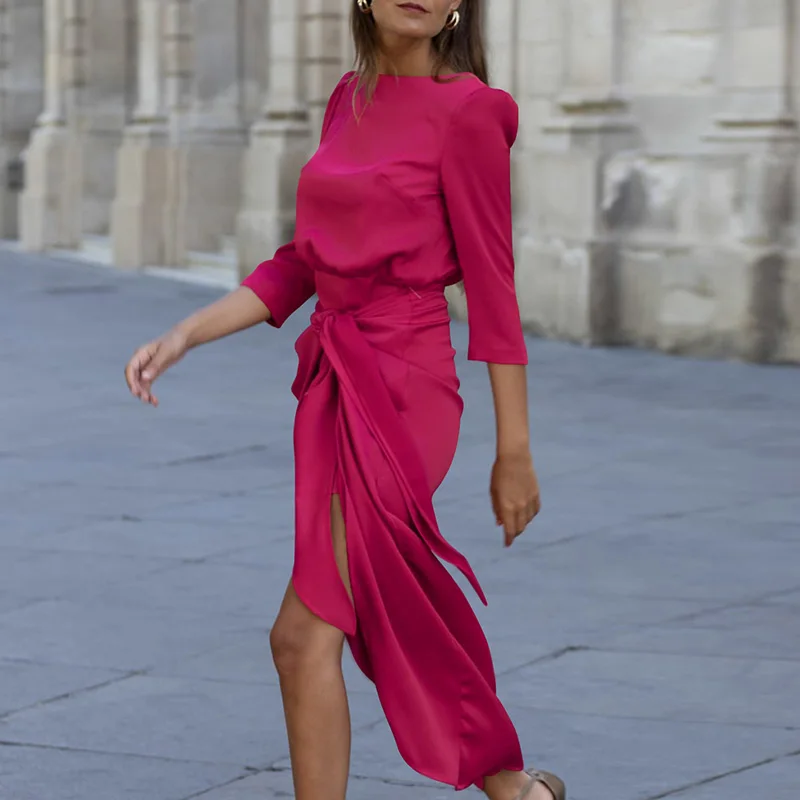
x: 552, y: 782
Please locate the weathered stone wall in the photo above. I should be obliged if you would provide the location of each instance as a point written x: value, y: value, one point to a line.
x: 655, y: 174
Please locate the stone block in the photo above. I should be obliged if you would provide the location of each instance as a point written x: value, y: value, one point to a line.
x: 535, y: 111
x: 562, y: 196
x: 755, y: 13
x: 99, y: 165
x: 566, y: 289
x: 639, y: 287
x: 324, y: 36
x: 50, y: 205
x: 788, y: 348
x: 740, y: 632
x: 40, y: 773
x: 137, y: 213
x: 704, y: 302
x: 203, y: 197
x: 539, y: 21
x: 271, y: 168
x: 779, y: 776
x: 590, y: 18
x: 710, y: 209
x: 679, y: 15
x: 589, y: 65
x: 157, y: 717
x: 541, y: 68
x: 642, y: 193
x: 100, y: 635
x: 675, y: 63
x: 675, y: 123
x: 724, y: 691
x: 758, y: 58
x: 23, y: 684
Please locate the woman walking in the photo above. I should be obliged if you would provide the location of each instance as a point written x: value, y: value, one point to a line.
x: 408, y: 192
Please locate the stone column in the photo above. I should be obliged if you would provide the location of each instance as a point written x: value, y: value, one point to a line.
x: 279, y: 145
x: 50, y: 206
x: 179, y: 168
x: 110, y: 31
x: 567, y: 257
x: 325, y: 26
x: 207, y: 134
x: 22, y: 82
x: 137, y: 219
x: 757, y: 136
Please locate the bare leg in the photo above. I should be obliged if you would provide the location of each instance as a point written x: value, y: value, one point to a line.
x: 308, y: 657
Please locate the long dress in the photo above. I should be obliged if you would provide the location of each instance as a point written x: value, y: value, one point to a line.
x: 404, y: 197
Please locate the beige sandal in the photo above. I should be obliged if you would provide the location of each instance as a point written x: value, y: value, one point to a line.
x: 552, y: 782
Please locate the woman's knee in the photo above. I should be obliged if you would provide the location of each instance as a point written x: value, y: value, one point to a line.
x: 300, y: 640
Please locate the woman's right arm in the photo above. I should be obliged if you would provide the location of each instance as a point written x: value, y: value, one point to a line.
x: 238, y: 310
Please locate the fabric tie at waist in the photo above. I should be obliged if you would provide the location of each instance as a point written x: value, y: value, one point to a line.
x: 338, y: 341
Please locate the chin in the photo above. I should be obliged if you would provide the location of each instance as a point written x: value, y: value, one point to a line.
x: 412, y: 31
x: 410, y: 28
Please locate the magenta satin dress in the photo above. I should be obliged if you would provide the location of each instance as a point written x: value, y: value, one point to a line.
x: 396, y: 204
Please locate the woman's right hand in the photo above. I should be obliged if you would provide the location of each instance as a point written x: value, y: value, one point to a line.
x: 151, y: 360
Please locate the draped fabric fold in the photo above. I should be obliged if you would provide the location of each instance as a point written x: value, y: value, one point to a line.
x: 410, y: 627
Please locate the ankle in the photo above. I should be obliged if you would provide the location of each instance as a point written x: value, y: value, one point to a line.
x: 505, y: 785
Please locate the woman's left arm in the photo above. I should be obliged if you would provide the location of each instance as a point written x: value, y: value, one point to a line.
x: 476, y: 180
x: 514, y: 487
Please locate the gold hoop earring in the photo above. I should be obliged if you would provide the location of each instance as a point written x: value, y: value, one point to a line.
x: 453, y: 20
x: 364, y: 6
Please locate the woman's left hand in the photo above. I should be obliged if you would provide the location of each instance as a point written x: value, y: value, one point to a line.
x: 514, y: 490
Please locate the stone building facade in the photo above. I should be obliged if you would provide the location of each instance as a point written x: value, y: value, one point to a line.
x: 655, y: 171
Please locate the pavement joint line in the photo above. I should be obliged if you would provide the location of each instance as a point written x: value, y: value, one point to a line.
x: 218, y: 456
x: 713, y: 656
x: 283, y: 770
x: 123, y: 754
x: 664, y: 720
x: 689, y: 616
x: 249, y: 773
x: 644, y: 519
x: 71, y: 694
x: 553, y: 656
x: 714, y: 778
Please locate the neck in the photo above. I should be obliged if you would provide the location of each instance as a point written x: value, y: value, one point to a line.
x: 406, y: 57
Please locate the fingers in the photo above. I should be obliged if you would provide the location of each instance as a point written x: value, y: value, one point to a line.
x: 515, y: 519
x: 138, y: 374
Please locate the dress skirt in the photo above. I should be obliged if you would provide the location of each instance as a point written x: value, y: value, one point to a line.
x: 377, y: 423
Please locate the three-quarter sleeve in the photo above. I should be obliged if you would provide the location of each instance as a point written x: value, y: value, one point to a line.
x: 286, y: 282
x: 476, y: 181
x: 283, y: 284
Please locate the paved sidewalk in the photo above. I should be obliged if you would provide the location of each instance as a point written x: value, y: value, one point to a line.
x: 646, y: 630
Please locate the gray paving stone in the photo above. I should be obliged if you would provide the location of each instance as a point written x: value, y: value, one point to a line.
x: 685, y: 558
x: 46, y: 575
x: 606, y: 758
x: 278, y: 784
x: 160, y: 717
x: 778, y: 780
x: 537, y: 622
x: 40, y: 773
x: 668, y: 543
x: 735, y: 691
x: 756, y: 632
x: 208, y: 588
x: 173, y: 540
x: 25, y: 684
x: 99, y: 634
x: 245, y: 658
